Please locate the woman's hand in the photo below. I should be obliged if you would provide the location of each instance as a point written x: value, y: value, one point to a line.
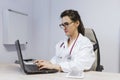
x: 43, y: 64
x: 47, y: 64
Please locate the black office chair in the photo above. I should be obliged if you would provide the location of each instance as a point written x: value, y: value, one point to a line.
x: 92, y: 36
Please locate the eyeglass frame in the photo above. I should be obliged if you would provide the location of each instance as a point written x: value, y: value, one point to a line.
x: 66, y: 24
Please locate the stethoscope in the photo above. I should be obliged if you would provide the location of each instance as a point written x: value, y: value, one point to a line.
x: 62, y: 45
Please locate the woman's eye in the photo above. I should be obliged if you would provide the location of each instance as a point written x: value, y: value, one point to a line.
x: 66, y: 23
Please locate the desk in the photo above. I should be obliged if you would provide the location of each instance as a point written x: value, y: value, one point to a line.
x: 13, y: 72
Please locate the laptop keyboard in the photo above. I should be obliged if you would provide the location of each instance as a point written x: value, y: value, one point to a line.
x: 34, y: 68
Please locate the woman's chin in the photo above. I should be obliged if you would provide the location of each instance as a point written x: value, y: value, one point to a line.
x: 67, y: 34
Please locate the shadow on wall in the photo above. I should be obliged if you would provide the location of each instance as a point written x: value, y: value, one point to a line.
x: 11, y: 47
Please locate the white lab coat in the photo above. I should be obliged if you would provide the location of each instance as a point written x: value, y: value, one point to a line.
x: 82, y: 56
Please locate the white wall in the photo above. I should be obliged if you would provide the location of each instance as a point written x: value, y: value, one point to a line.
x: 8, y: 52
x: 101, y: 15
x: 41, y: 28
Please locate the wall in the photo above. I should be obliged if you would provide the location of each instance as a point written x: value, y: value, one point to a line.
x: 103, y: 16
x: 41, y: 21
x: 8, y: 52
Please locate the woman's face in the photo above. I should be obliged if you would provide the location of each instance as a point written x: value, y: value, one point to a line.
x: 69, y: 26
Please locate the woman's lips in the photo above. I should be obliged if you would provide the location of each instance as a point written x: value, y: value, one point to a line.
x: 65, y: 31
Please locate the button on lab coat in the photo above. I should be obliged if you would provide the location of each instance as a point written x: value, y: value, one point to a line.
x: 81, y: 58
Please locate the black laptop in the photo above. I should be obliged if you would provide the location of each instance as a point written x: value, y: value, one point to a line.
x: 30, y: 68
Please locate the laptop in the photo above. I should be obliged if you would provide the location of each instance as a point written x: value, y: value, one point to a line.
x: 30, y: 68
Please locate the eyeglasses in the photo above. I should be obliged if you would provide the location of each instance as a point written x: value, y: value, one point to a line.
x: 66, y: 24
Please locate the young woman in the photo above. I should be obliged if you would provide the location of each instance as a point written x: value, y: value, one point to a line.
x: 75, y: 53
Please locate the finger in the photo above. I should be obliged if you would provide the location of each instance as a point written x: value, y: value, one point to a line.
x: 42, y: 67
x: 39, y: 66
x: 36, y: 61
x: 41, y: 60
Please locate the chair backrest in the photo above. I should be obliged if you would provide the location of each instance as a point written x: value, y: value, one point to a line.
x: 92, y: 36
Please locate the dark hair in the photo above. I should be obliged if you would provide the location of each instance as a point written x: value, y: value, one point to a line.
x: 74, y: 16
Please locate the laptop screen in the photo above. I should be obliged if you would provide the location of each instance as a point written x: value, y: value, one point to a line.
x: 19, y: 53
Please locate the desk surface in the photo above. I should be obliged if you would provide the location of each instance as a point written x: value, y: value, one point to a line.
x: 13, y: 72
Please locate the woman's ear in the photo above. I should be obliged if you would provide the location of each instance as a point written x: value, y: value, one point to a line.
x: 77, y: 23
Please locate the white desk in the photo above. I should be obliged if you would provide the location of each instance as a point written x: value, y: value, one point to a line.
x: 13, y: 72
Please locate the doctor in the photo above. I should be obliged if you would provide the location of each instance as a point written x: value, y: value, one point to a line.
x: 74, y: 53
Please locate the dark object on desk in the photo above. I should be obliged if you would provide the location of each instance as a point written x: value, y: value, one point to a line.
x: 92, y: 36
x: 26, y: 60
x: 30, y: 68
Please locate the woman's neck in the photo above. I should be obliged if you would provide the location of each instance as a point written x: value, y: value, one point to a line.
x: 72, y: 38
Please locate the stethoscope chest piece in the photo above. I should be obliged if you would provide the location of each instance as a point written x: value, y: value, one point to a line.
x: 69, y: 57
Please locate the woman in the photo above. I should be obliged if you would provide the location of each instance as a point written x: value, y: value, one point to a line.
x: 75, y: 53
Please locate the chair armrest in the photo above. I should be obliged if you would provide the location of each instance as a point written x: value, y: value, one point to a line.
x: 100, y: 68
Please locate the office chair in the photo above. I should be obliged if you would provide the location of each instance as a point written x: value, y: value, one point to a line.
x: 92, y: 36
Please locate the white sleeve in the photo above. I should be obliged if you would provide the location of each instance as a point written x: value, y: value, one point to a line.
x: 54, y: 60
x: 83, y: 60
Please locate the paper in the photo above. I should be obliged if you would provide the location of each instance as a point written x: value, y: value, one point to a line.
x: 75, y: 74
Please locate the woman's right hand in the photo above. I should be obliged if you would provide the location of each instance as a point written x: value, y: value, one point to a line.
x: 41, y: 63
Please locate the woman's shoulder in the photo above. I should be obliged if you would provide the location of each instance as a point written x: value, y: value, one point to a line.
x: 83, y: 39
